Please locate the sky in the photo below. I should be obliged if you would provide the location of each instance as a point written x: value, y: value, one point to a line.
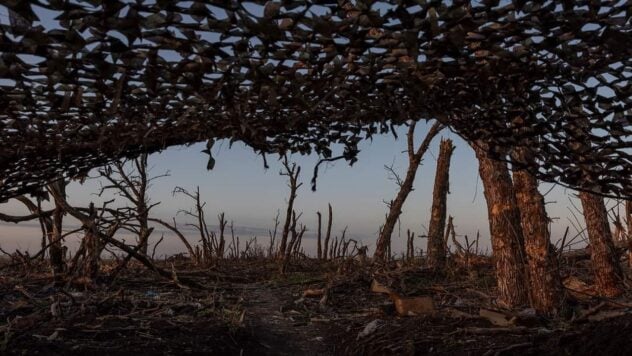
x: 251, y: 195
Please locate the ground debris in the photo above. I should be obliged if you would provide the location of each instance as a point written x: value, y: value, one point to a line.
x: 245, y: 307
x: 497, y: 318
x: 370, y: 328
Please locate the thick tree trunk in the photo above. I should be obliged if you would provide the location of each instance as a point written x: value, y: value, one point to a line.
x: 436, y: 247
x: 406, y: 186
x: 545, y: 289
x: 608, y: 274
x: 628, y: 214
x: 505, y: 229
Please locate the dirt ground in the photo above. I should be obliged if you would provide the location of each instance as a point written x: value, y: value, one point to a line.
x: 247, y: 308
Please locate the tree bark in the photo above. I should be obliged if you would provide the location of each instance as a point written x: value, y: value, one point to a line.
x: 608, y: 274
x: 320, y: 247
x: 328, y: 234
x: 436, y: 247
x: 628, y: 214
x: 545, y: 289
x: 52, y: 227
x: 141, y: 203
x: 406, y: 186
x: 505, y: 229
x: 292, y: 172
x: 56, y: 248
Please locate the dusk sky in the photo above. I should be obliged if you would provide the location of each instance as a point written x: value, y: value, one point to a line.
x: 250, y: 195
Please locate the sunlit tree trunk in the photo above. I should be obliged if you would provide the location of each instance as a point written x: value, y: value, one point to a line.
x: 436, y: 228
x: 628, y: 214
x: 505, y: 229
x: 608, y: 274
x: 545, y: 288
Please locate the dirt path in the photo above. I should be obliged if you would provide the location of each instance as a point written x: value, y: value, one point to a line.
x: 279, y: 327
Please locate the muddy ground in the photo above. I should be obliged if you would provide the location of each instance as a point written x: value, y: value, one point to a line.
x: 248, y: 308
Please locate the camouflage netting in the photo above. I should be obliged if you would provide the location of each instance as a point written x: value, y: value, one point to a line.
x: 85, y: 82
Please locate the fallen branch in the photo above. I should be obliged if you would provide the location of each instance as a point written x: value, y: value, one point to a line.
x: 90, y: 224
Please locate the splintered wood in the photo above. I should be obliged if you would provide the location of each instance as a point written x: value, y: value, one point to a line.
x: 406, y: 306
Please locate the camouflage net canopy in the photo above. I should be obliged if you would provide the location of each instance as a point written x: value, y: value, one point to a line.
x: 86, y: 82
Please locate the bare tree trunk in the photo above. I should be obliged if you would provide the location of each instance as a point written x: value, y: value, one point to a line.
x: 51, y: 227
x: 410, y: 245
x: 436, y: 247
x: 222, y: 239
x: 328, y: 234
x: 56, y: 248
x: 505, y: 229
x: 91, y: 245
x: 320, y: 247
x: 296, y: 238
x: 405, y: 187
x: 446, y: 236
x: 91, y: 261
x: 143, y: 234
x: 133, y: 185
x: 628, y: 214
x: 292, y: 172
x: 546, y: 290
x: 608, y: 274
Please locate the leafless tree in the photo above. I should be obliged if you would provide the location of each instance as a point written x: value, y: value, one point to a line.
x: 405, y: 187
x: 294, y: 243
x: 212, y: 244
x: 132, y: 184
x: 292, y: 171
x: 90, y: 221
x: 50, y: 221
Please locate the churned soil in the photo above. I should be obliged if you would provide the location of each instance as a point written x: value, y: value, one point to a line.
x: 316, y: 308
